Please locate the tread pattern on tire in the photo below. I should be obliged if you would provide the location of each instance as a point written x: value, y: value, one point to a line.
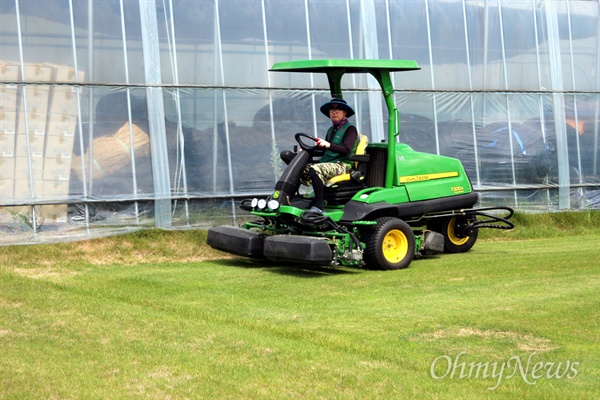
x: 372, y: 256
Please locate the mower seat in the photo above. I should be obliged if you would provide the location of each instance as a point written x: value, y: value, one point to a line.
x: 340, y: 188
x: 360, y: 158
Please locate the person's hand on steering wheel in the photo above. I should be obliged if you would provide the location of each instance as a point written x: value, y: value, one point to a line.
x: 323, y: 143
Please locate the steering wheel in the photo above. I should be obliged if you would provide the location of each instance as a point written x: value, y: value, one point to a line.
x: 303, y: 145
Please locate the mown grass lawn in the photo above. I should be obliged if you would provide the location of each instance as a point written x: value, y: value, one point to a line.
x: 231, y: 328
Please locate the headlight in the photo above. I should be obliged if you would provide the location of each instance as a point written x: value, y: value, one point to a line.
x: 262, y: 203
x: 254, y: 202
x: 273, y: 204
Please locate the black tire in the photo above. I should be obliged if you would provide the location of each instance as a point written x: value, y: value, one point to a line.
x: 451, y: 228
x: 390, y: 244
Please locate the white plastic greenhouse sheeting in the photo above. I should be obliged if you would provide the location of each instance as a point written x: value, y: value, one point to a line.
x: 110, y: 125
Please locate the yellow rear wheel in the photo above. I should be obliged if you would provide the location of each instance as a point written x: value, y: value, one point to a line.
x: 457, y: 237
x: 453, y: 234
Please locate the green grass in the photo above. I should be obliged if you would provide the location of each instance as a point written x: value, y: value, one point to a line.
x: 157, y: 315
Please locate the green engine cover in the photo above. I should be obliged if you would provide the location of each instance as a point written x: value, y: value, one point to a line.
x: 428, y: 176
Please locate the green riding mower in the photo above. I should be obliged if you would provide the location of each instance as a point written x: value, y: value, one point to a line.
x: 396, y: 203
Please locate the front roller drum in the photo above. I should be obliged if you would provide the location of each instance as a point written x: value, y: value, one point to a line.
x: 235, y: 240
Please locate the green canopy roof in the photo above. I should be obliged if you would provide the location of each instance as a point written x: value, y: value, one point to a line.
x: 350, y: 66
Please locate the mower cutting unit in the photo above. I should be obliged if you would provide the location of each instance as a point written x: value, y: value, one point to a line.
x: 395, y: 205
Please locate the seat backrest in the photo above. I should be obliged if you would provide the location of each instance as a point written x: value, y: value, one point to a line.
x: 361, y: 149
x: 359, y: 158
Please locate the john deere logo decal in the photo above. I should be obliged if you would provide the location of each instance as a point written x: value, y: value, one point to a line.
x: 427, y: 177
x: 276, y: 194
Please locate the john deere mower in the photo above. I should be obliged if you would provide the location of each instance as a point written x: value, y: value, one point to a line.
x: 395, y: 205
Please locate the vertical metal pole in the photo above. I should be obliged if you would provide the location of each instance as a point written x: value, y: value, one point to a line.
x: 469, y: 72
x: 486, y: 40
x: 79, y: 119
x: 577, y: 133
x: 508, y: 114
x: 597, y: 110
x: 435, y: 121
x: 539, y: 67
x: 391, y: 52
x: 225, y: 115
x: 217, y: 45
x: 90, y: 78
x: 358, y: 114
x: 180, y: 164
x: 312, y: 81
x: 539, y: 71
x: 129, y: 116
x: 389, y: 33
x: 26, y: 119
x: 369, y: 28
x: 156, y: 114
x: 558, y: 104
x: 274, y: 153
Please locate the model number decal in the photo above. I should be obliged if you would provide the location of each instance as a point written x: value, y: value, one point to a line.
x: 457, y: 189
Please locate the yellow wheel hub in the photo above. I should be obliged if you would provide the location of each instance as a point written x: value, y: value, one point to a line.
x: 395, y: 246
x: 452, y: 234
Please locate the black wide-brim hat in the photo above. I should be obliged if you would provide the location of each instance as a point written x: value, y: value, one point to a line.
x: 337, y: 103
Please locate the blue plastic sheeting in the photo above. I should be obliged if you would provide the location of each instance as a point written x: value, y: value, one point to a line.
x: 108, y: 124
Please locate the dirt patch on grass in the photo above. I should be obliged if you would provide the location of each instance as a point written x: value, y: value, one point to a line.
x: 523, y: 342
x: 44, y: 273
x: 10, y: 304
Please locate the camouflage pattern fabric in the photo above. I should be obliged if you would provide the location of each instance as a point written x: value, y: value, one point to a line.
x: 325, y: 171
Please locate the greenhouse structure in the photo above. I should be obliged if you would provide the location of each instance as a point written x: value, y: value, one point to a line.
x: 123, y: 115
